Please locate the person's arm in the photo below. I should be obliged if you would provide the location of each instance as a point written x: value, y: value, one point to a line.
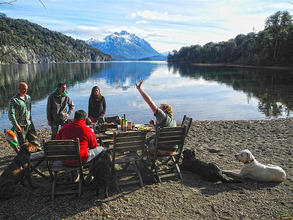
x: 11, y: 115
x: 92, y: 140
x: 49, y: 107
x: 71, y: 106
x: 104, y: 106
x: 146, y: 97
x: 29, y: 106
x: 89, y: 108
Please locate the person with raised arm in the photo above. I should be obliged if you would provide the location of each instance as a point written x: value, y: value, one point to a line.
x: 164, y: 118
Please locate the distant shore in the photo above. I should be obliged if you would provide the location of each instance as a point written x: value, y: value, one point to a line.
x: 244, y: 66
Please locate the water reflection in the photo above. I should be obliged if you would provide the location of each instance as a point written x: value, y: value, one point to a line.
x: 125, y: 74
x: 272, y: 88
x: 43, y: 78
x: 233, y: 93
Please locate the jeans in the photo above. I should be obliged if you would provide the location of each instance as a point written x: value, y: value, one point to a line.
x: 55, y: 128
x: 92, y: 153
x: 28, y: 134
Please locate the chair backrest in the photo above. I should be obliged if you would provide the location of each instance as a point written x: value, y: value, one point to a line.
x: 128, y: 141
x: 115, y: 119
x: 187, y: 123
x: 62, y: 150
x: 170, y: 136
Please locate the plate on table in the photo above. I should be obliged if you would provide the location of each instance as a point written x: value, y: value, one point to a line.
x: 109, y: 132
x: 145, y: 128
x: 138, y: 125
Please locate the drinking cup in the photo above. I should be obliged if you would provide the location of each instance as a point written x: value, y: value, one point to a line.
x: 129, y: 125
x: 94, y: 126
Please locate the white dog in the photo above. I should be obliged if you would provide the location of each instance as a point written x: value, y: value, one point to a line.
x: 254, y: 170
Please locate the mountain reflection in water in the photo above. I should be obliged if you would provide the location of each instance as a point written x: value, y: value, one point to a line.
x: 201, y: 92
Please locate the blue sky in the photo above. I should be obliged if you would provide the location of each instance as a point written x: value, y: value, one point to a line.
x: 166, y: 25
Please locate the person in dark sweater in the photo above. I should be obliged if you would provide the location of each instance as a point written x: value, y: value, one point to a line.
x: 97, y: 105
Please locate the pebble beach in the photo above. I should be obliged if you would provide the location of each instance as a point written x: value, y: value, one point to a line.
x: 270, y: 141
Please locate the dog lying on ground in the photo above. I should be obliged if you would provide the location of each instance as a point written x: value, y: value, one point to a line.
x: 207, y: 171
x: 16, y: 171
x: 101, y: 171
x: 254, y: 170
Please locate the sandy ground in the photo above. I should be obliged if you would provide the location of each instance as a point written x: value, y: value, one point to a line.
x: 191, y: 198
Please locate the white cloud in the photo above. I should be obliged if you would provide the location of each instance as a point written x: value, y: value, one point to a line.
x: 142, y: 22
x: 150, y: 15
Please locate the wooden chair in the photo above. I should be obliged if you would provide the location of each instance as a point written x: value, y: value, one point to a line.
x: 115, y: 119
x: 57, y: 151
x: 187, y: 123
x: 166, y: 165
x: 128, y: 149
x: 35, y: 158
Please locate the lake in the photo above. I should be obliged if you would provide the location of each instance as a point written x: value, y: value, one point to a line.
x: 201, y: 92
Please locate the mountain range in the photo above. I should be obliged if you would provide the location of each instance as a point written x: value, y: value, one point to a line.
x: 126, y: 46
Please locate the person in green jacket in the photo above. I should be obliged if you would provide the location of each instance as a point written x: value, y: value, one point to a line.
x: 19, y: 113
x: 57, y: 111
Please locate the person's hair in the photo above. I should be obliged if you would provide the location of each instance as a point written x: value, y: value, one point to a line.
x: 94, y: 88
x: 22, y: 85
x: 80, y: 114
x: 168, y: 109
x: 93, y: 96
x: 61, y: 84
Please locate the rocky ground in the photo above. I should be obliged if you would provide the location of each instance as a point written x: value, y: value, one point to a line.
x: 191, y: 198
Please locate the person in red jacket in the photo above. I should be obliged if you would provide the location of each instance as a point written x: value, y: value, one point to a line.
x: 89, y: 148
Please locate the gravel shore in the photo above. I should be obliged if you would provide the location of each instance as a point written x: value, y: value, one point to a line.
x: 191, y: 198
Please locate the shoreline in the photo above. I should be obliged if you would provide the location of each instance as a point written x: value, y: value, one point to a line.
x: 240, y: 65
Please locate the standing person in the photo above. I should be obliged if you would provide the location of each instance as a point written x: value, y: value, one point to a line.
x: 87, y: 138
x: 57, y: 113
x: 164, y: 117
x: 19, y: 114
x: 97, y: 105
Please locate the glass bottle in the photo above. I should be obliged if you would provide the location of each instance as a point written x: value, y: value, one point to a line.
x: 124, y: 125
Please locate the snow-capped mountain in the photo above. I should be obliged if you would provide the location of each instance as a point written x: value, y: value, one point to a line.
x: 125, y: 46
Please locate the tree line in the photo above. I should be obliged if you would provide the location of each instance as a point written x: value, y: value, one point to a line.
x: 24, y: 42
x: 272, y: 46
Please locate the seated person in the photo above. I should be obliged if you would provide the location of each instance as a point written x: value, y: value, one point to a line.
x: 89, y: 148
x: 164, y: 118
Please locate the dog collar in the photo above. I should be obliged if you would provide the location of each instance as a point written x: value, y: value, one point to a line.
x: 250, y: 161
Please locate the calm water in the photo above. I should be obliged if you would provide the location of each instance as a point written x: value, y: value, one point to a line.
x: 203, y: 93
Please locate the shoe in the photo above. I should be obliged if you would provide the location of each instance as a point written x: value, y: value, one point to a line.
x: 74, y: 176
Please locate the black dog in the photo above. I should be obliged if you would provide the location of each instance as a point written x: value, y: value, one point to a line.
x: 210, y: 171
x: 16, y: 171
x: 101, y: 171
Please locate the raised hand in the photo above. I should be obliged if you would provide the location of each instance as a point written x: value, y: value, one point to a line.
x: 139, y: 85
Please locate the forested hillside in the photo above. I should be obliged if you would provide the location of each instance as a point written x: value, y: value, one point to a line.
x: 272, y: 46
x: 24, y: 42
